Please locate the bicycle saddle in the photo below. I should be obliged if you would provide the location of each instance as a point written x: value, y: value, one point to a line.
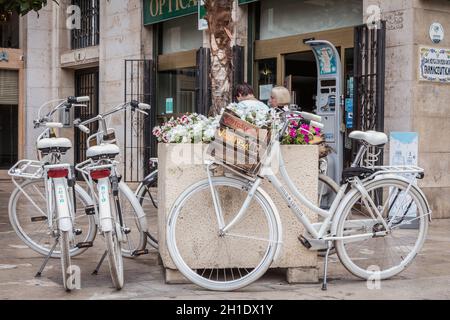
x: 47, y: 145
x: 373, y: 138
x: 103, y: 150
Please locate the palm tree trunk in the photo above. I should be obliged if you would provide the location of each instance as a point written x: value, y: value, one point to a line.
x: 220, y: 26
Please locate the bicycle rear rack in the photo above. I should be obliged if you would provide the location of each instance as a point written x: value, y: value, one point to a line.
x: 411, y: 170
x: 27, y: 169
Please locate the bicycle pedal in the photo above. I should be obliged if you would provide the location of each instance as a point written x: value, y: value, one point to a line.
x: 137, y: 253
x: 90, y: 210
x: 38, y: 219
x: 84, y: 244
x: 77, y: 232
x: 304, y: 242
x: 126, y: 230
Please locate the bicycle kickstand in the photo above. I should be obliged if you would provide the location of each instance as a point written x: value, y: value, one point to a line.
x: 325, y: 269
x: 95, y: 272
x: 41, y: 269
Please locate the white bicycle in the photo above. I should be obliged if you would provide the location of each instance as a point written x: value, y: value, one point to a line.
x: 44, y: 209
x: 377, y: 222
x: 116, y: 208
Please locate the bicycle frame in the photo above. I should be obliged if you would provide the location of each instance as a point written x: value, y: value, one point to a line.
x: 318, y: 231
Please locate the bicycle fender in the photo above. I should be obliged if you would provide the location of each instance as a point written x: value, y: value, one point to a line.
x: 279, y: 225
x: 136, y: 205
x: 104, y: 205
x: 62, y: 204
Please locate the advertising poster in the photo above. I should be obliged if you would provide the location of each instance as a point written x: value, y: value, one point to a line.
x: 327, y: 60
x: 404, y: 150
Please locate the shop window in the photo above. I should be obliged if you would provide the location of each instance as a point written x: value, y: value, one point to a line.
x: 267, y: 77
x: 9, y: 30
x: 281, y: 18
x: 181, y: 34
x: 89, y: 32
x: 176, y: 94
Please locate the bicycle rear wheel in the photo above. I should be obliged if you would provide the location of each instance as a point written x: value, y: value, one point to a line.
x: 214, y: 260
x: 115, y: 259
x: 64, y: 243
x: 28, y: 217
x: 382, y: 255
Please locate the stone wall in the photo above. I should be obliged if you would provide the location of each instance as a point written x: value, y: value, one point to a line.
x: 411, y: 105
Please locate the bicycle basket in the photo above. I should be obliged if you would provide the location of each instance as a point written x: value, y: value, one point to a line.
x: 239, y: 144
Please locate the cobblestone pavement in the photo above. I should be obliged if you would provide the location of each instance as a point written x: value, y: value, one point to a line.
x: 427, y: 278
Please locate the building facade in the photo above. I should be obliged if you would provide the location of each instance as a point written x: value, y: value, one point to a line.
x: 152, y: 50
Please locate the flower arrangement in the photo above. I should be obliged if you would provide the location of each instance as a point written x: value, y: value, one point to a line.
x: 192, y: 128
x: 256, y: 115
x: 301, y: 134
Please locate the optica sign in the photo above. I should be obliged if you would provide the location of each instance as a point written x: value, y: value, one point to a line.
x: 161, y: 10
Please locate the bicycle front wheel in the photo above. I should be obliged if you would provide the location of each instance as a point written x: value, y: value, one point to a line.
x: 391, y: 242
x: 210, y: 258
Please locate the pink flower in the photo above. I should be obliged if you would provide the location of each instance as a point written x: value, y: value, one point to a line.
x: 293, y: 133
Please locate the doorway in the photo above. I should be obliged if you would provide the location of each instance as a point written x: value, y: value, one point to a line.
x: 9, y: 117
x: 86, y: 84
x: 301, y: 79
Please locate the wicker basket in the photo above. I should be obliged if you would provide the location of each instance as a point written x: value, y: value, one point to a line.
x: 239, y: 144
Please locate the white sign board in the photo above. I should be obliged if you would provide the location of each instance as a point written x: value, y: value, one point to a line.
x: 434, y: 65
x: 436, y: 32
x: 404, y: 150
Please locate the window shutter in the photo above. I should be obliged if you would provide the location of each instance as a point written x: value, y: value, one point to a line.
x: 9, y: 87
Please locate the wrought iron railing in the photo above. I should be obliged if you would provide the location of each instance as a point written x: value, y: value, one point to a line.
x: 89, y: 32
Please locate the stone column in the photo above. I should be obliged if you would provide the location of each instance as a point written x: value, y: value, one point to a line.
x: 412, y: 105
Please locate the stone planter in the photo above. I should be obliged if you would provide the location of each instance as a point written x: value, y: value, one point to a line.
x: 181, y: 165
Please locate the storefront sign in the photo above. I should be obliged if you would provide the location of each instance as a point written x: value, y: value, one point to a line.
x: 327, y: 60
x: 434, y: 65
x: 436, y: 32
x: 161, y: 10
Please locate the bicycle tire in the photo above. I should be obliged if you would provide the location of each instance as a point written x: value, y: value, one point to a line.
x: 115, y: 261
x: 352, y: 265
x: 258, y: 269
x: 64, y: 242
